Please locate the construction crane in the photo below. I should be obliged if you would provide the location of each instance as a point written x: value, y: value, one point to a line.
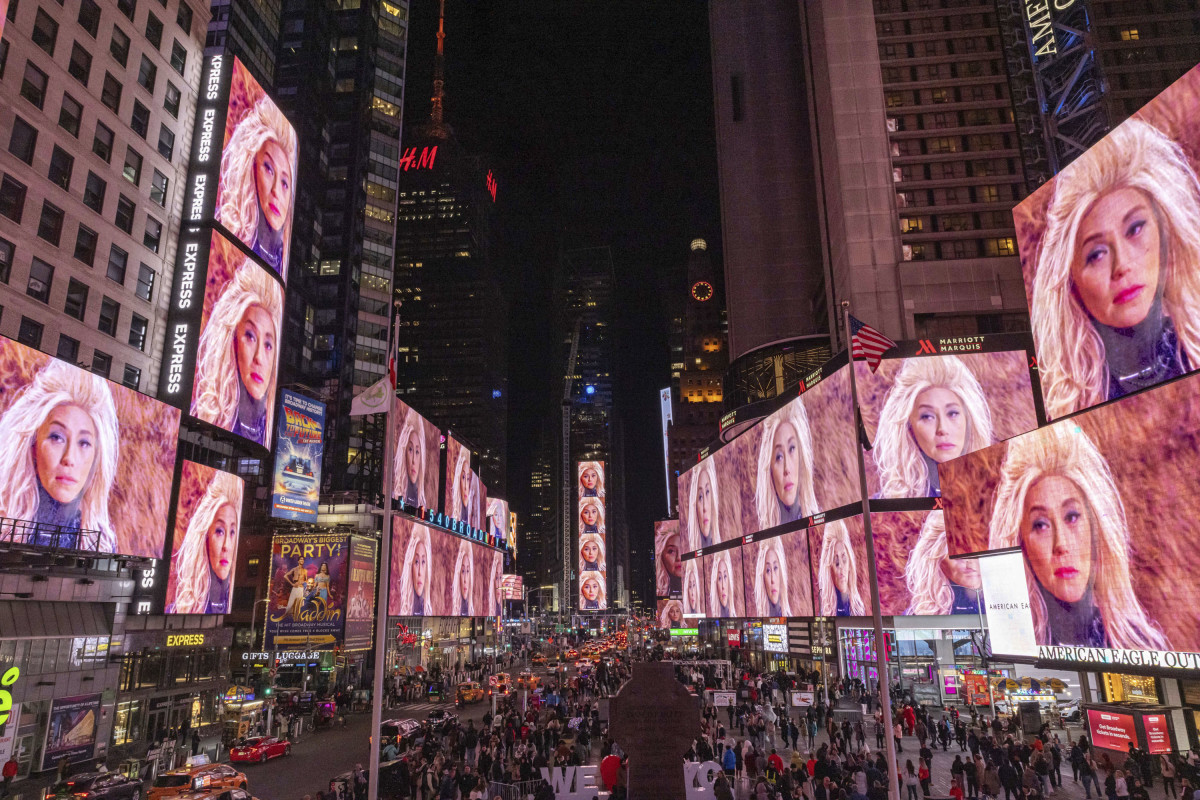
x: 568, y: 479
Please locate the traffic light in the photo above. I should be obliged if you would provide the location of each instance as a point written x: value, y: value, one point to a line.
x: 268, y: 691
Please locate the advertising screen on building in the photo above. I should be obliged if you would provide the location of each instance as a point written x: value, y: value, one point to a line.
x: 416, y: 468
x: 1110, y: 730
x: 775, y: 638
x: 360, y: 605
x: 463, y: 491
x: 1158, y: 733
x: 86, y: 464
x: 491, y: 564
x: 922, y: 411
x: 298, y: 450
x: 723, y: 582
x: 668, y: 567
x: 772, y: 474
x: 256, y: 189
x: 592, y: 535
x: 916, y: 574
x: 307, y: 593
x: 514, y: 587
x: 1103, y: 516
x: 1110, y: 260
x: 694, y: 596
x: 71, y: 730
x: 778, y: 576
x: 208, y: 525
x: 669, y: 613
x: 411, y: 570
x: 498, y: 518
x: 841, y: 586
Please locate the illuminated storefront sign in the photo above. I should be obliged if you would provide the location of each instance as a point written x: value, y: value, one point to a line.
x: 185, y: 640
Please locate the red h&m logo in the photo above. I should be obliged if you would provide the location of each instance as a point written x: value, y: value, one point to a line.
x: 927, y: 348
x: 424, y: 161
x: 491, y: 185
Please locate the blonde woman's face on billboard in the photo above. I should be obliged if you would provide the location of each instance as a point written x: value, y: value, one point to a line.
x: 963, y: 571
x: 589, y: 479
x: 841, y: 568
x: 255, y: 347
x: 704, y: 503
x: 939, y: 423
x: 785, y: 463
x: 671, y: 556
x: 222, y: 541
x: 1056, y: 533
x: 420, y: 567
x: 65, y: 449
x: 464, y: 576
x: 772, y: 576
x: 723, y: 583
x: 273, y: 181
x: 591, y: 552
x: 1116, y: 269
x: 413, y: 457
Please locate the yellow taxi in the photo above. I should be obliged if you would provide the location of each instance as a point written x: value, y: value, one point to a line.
x: 538, y: 661
x: 572, y: 654
x: 469, y: 692
x: 208, y: 777
x: 527, y: 680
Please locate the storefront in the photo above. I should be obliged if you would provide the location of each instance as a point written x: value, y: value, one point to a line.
x: 924, y: 662
x: 1129, y: 688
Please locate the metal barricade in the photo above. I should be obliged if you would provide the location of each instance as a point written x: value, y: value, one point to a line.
x: 524, y: 790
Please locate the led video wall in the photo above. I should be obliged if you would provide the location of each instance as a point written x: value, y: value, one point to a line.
x: 591, y: 536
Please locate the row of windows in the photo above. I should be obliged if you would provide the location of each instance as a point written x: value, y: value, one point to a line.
x: 941, y: 96
x: 951, y: 119
x: 31, y: 332
x: 957, y: 222
x: 923, y: 25
x: 939, y: 47
x: 972, y: 143
x: 972, y: 248
x: 944, y: 170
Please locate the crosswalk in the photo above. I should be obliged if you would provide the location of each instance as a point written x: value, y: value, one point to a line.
x: 421, y: 706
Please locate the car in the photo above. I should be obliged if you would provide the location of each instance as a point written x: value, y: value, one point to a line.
x: 207, y: 777
x: 260, y: 749
x: 227, y: 794
x: 440, y: 716
x: 527, y: 680
x: 468, y: 692
x: 401, y: 732
x: 583, y: 664
x: 572, y: 654
x: 99, y: 786
x: 538, y: 661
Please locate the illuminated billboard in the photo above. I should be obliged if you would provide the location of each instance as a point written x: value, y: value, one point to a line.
x: 775, y: 638
x: 841, y: 584
x: 723, y: 584
x: 668, y: 567
x: 464, y: 494
x: 694, y: 592
x: 927, y: 408
x: 514, y: 587
x: 208, y: 525
x: 87, y: 463
x: 592, y: 535
x: 415, y: 472
x: 1098, y: 516
x: 307, y: 593
x: 297, y: 487
x: 438, y: 574
x: 498, y: 519
x: 1111, y: 262
x: 410, y: 571
x: 778, y: 576
x: 360, y: 594
x: 916, y: 574
x: 669, y: 613
x: 491, y: 564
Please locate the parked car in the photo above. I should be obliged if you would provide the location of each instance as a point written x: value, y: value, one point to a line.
x: 99, y: 786
x: 207, y: 777
x: 260, y: 749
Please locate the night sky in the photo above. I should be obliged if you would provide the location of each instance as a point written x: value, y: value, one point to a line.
x: 598, y: 118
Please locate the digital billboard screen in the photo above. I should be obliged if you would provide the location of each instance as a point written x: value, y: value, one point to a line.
x: 360, y: 593
x: 464, y: 495
x: 208, y: 525
x: 1111, y: 731
x: 438, y: 574
x: 916, y: 574
x: 514, y: 587
x: 415, y: 473
x: 307, y: 591
x: 491, y: 565
x: 1110, y: 258
x: 723, y: 584
x: 778, y: 576
x: 88, y: 461
x: 775, y: 638
x: 922, y: 411
x: 71, y: 730
x: 298, y: 450
x: 256, y: 191
x: 1158, y: 733
x: 498, y: 521
x: 669, y: 613
x: 1100, y: 514
x: 592, y: 535
x: 668, y: 566
x: 841, y: 585
x: 694, y: 590
x: 411, y: 570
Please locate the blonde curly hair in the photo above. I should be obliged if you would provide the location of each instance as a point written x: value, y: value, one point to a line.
x: 1064, y: 450
x: 215, y: 394
x: 902, y: 470
x: 692, y: 577
x: 466, y: 555
x: 496, y: 582
x: 765, y: 499
x: 662, y: 536
x: 190, y: 562
x: 57, y: 384
x: 470, y: 513
x: 1136, y: 155
x: 238, y: 209
x: 664, y: 615
x: 412, y: 430
x: 704, y: 468
x: 418, y: 537
x: 836, y: 534
x: 722, y: 559
x: 761, y: 601
x: 928, y: 587
x: 599, y: 506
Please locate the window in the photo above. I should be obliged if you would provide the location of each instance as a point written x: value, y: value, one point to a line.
x: 102, y: 144
x: 139, y: 120
x: 81, y: 64
x: 940, y: 96
x: 178, y: 57
x: 1130, y: 35
x: 68, y: 348
x: 33, y: 85
x: 183, y: 17
x: 154, y: 30
x: 171, y: 100
x: 70, y: 115
x: 85, y: 245
x: 145, y: 283
x: 23, y: 140
x: 153, y: 234
x: 110, y: 95
x: 127, y: 7
x: 6, y: 258
x: 117, y: 261
x: 987, y: 194
x: 158, y: 189
x: 12, y: 198
x: 999, y: 247
x: 119, y: 46
x: 124, y: 217
x: 166, y: 142
x: 133, y: 166
x: 30, y: 333
x: 45, y: 31
x: 51, y: 223
x: 137, y: 332
x: 41, y: 276
x: 101, y: 363
x: 61, y: 164
x: 110, y: 310
x: 89, y: 17
x: 147, y: 74
x: 93, y: 192
x: 133, y: 377
x: 77, y: 297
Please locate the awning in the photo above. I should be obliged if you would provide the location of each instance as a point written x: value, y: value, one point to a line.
x: 38, y: 619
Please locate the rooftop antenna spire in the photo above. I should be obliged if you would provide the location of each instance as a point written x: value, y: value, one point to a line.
x: 437, y: 127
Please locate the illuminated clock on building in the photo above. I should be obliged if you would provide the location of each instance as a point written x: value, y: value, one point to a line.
x: 702, y: 291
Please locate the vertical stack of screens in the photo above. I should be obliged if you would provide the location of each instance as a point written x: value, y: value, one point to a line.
x: 465, y: 494
x: 437, y: 574
x: 225, y: 321
x: 592, y: 539
x: 668, y: 573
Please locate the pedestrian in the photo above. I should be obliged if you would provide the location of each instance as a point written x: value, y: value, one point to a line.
x: 9, y: 772
x: 910, y: 780
x: 1166, y: 768
x: 896, y: 734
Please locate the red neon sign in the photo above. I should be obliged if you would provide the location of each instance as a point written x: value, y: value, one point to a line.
x: 424, y: 161
x: 491, y: 185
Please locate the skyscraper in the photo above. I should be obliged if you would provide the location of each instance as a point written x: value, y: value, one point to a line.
x: 248, y: 30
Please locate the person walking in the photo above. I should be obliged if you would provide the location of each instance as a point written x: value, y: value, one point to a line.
x: 1166, y: 768
x: 9, y: 772
x: 910, y: 780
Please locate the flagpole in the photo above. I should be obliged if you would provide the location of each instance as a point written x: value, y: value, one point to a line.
x: 385, y: 554
x: 884, y: 680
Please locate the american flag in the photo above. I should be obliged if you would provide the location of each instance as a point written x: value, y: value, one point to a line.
x: 868, y: 343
